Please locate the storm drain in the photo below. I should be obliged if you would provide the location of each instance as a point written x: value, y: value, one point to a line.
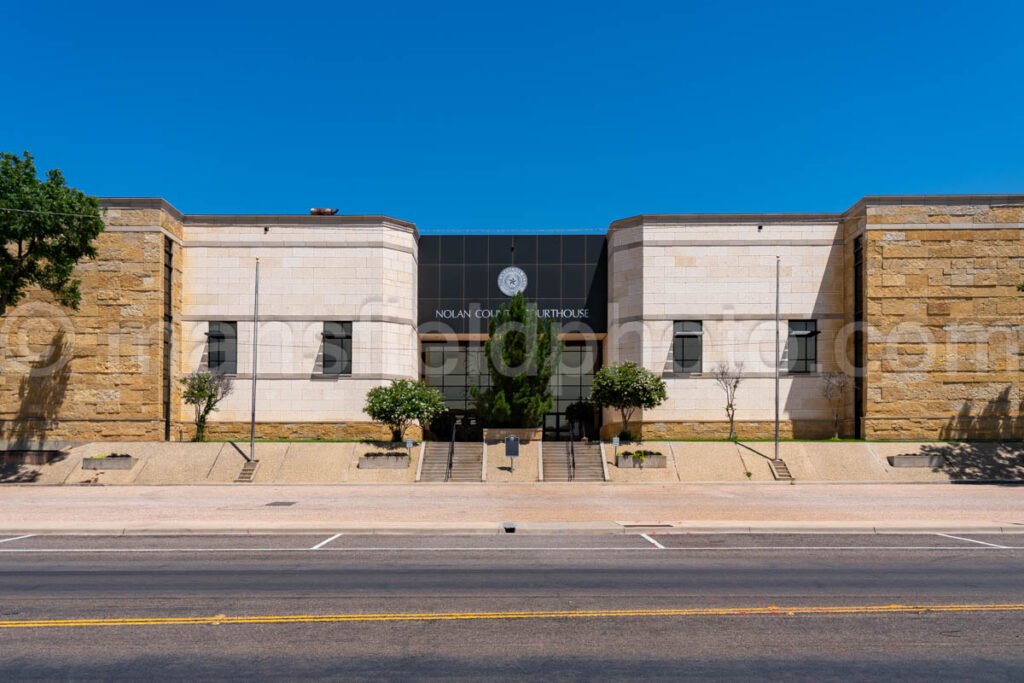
x: 280, y: 504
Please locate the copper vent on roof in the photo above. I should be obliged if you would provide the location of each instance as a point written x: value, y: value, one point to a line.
x: 322, y: 212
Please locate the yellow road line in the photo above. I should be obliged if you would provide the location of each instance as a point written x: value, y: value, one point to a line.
x: 773, y: 610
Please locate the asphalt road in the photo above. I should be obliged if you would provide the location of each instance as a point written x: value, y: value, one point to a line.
x: 661, y: 607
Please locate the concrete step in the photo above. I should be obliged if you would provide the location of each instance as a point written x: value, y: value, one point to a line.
x: 248, y: 472
x: 467, y: 462
x: 556, y: 462
x: 780, y: 470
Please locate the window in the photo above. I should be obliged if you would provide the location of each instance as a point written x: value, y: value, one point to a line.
x: 337, y: 348
x: 222, y: 340
x: 454, y: 369
x: 687, y: 346
x: 803, y: 346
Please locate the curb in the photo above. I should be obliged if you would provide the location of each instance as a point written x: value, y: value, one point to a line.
x: 534, y: 528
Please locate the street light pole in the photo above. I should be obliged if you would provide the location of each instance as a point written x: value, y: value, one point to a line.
x: 777, y: 358
x: 255, y: 341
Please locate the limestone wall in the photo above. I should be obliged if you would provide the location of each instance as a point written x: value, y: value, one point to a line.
x: 95, y: 373
x: 944, y: 316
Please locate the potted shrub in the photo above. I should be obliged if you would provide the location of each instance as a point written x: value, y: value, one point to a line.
x: 112, y: 461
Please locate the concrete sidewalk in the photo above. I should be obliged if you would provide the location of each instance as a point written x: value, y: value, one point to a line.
x: 164, y: 463
x: 482, y: 508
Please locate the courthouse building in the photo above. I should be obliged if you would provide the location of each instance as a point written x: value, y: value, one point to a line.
x: 915, y: 298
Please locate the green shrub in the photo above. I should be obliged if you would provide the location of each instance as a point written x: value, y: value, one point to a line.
x: 402, y: 403
x: 627, y: 387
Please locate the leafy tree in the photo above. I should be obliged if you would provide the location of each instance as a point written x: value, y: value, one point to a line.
x: 521, y: 354
x: 627, y: 387
x: 729, y: 378
x: 580, y: 414
x: 46, y: 228
x: 834, y: 389
x: 401, y: 403
x: 204, y: 390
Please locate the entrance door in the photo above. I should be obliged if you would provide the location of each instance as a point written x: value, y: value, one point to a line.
x: 558, y: 428
x: 570, y: 384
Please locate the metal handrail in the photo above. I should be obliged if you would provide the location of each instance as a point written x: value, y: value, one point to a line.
x: 572, y: 455
x: 451, y: 455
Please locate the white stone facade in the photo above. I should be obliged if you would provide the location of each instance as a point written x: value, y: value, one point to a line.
x: 346, y: 269
x: 721, y: 271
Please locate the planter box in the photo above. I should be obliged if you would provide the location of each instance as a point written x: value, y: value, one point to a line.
x: 930, y: 461
x: 653, y: 462
x: 108, y: 463
x: 384, y: 461
x: 526, y: 435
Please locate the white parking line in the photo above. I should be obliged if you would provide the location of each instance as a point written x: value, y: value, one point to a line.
x: 16, y: 538
x: 971, y: 540
x: 985, y: 547
x: 324, y: 542
x: 653, y: 542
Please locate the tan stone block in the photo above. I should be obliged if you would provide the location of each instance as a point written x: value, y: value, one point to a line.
x: 1005, y: 214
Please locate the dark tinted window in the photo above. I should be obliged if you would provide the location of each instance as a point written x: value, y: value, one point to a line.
x: 687, y: 346
x: 803, y: 345
x: 222, y: 342
x: 337, y: 348
x: 526, y: 249
x: 429, y: 251
x: 476, y: 249
x: 549, y: 249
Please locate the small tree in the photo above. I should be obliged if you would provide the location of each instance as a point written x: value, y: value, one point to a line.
x: 521, y: 351
x: 46, y: 228
x: 580, y: 414
x: 627, y: 387
x: 729, y: 379
x: 402, y: 403
x: 203, y: 390
x: 834, y: 390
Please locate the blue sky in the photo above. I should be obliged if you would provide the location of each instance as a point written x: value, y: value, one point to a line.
x: 517, y: 115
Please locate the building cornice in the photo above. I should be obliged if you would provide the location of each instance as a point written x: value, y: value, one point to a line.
x: 932, y: 200
x: 722, y: 218
x: 288, y: 220
x: 258, y: 220
x: 156, y: 203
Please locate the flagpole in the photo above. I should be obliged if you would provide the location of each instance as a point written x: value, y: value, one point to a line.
x: 255, y: 340
x: 776, y: 358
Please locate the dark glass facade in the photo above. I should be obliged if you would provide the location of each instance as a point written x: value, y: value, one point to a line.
x: 460, y: 288
x: 566, y: 277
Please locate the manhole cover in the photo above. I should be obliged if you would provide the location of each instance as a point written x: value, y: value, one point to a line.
x: 280, y: 504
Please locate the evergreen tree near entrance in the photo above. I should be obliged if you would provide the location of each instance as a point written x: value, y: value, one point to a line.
x: 521, y: 355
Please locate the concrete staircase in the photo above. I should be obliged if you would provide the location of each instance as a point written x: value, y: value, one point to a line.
x: 780, y: 470
x: 556, y: 461
x: 467, y: 462
x: 248, y: 472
